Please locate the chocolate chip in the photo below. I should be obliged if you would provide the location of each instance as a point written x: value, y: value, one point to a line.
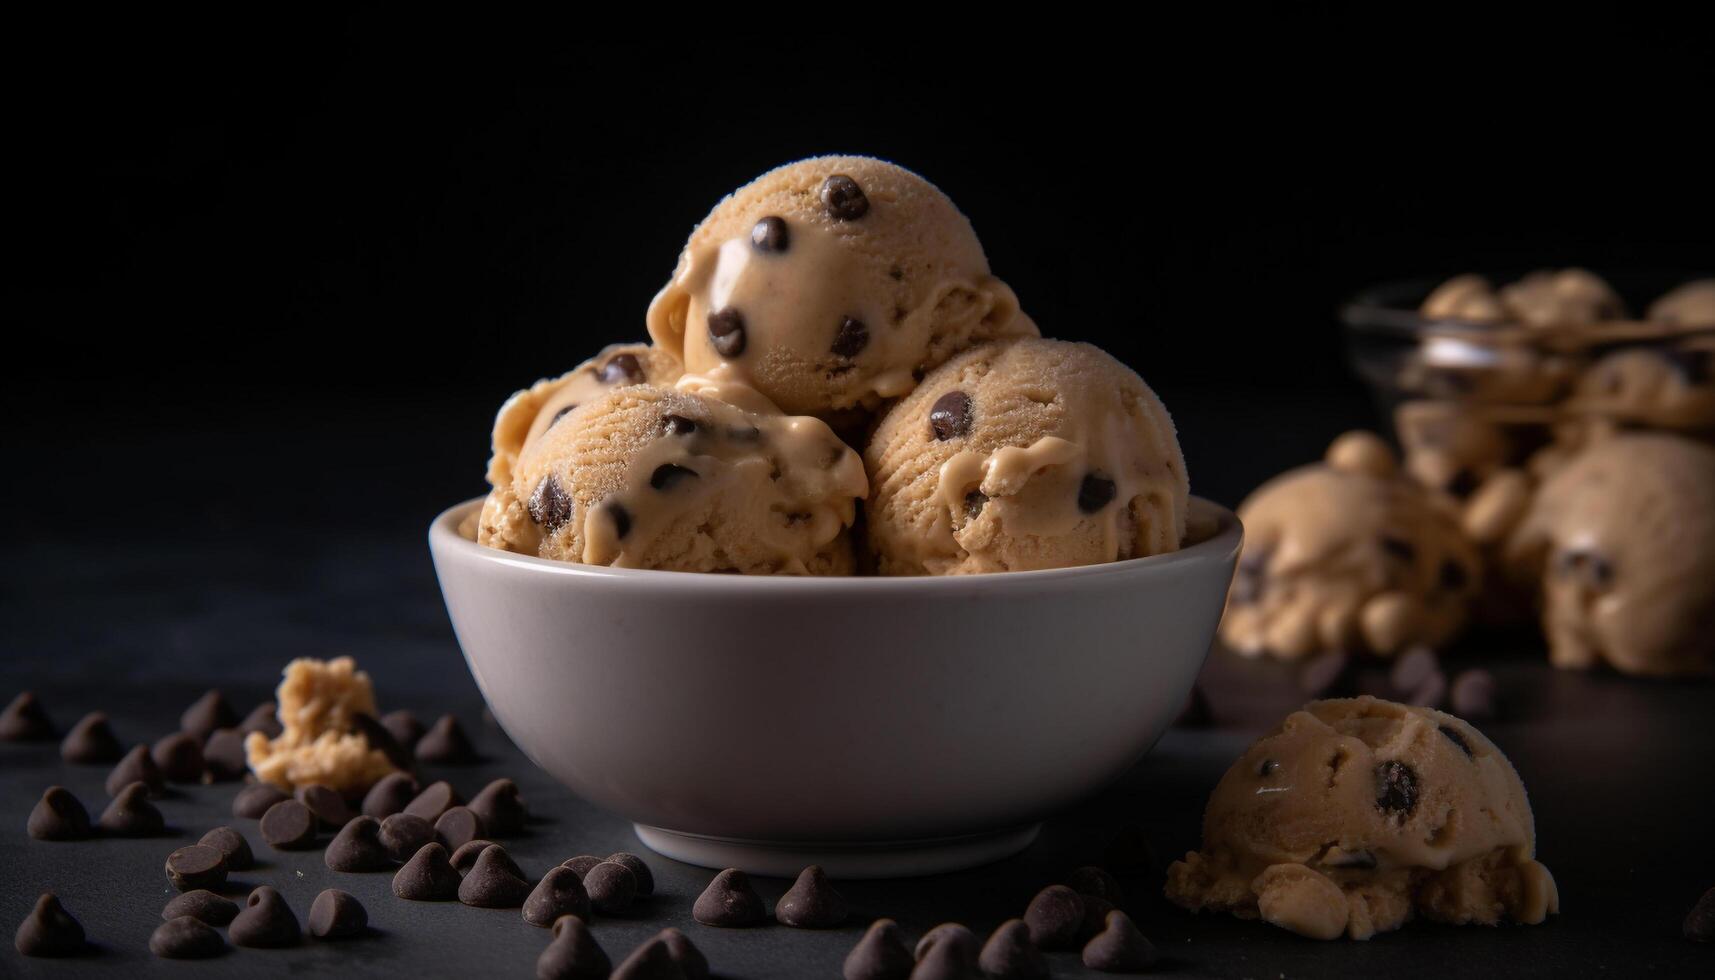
x: 427, y: 877
x: 49, y: 930
x: 974, y: 502
x: 382, y: 740
x: 843, y: 198
x: 136, y: 767
x: 357, y: 847
x: 265, y: 922
x: 328, y: 806
x: 1054, y: 917
x: 558, y: 893
x: 620, y: 516
x: 206, y: 714
x: 223, y: 757
x: 611, y: 888
x: 953, y: 932
x: 404, y: 834
x: 179, y: 757
x: 951, y: 958
x: 1095, y: 493
x: 950, y: 416
x: 770, y: 235
x: 25, y: 720
x: 1120, y: 948
x: 747, y: 434
x: 1412, y: 668
x: 1453, y: 576
x: 232, y: 846
x: 492, y: 883
x: 690, y: 959
x: 58, y: 815
x: 851, y: 338
x: 1096, y: 909
x: 1464, y: 483
x: 1474, y: 694
x: 639, y: 870
x: 650, y: 961
x: 464, y: 857
x: 1399, y: 549
x: 668, y: 475
x: 1197, y: 713
x: 1454, y: 736
x: 458, y: 827
x: 1327, y: 675
x: 289, y: 826
x: 435, y: 799
x: 91, y: 742
x: 1351, y: 859
x: 811, y: 902
x: 1588, y: 566
x: 1396, y: 788
x: 1130, y: 853
x: 1010, y: 955
x: 404, y: 727
x: 1430, y: 692
x: 254, y: 800
x: 880, y: 955
x: 499, y: 808
x: 186, y: 938
x: 729, y: 901
x: 677, y: 425
x: 1692, y: 365
x: 549, y: 504
x: 264, y: 718
x: 337, y: 915
x: 446, y: 744
x: 573, y: 954
x: 1699, y: 924
x: 132, y: 815
x: 202, y: 905
x: 392, y: 794
x: 196, y: 866
x: 1091, y: 880
x: 1267, y: 768
x: 622, y: 368
x: 726, y: 332
x: 581, y: 864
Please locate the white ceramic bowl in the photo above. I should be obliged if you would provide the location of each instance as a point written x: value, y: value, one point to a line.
x: 875, y: 726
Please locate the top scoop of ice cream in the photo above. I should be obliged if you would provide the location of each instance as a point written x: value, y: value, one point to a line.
x: 831, y: 283
x: 1020, y: 455
x: 1690, y: 306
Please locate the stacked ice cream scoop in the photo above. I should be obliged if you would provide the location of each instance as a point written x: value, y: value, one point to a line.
x: 832, y: 344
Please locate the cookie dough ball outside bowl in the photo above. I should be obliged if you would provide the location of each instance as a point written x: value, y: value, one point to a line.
x: 830, y: 284
x: 1025, y: 454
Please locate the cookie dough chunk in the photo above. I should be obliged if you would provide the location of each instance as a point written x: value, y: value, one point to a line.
x: 1687, y: 307
x: 1469, y: 298
x: 704, y: 477
x: 319, y: 701
x: 1669, y: 386
x: 1356, y: 814
x: 1343, y: 556
x: 1021, y: 455
x: 1622, y: 538
x: 1562, y: 298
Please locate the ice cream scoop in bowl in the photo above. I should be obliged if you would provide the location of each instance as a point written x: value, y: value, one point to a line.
x: 875, y: 726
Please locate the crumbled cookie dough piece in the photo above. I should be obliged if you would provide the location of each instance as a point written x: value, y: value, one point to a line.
x: 319, y: 701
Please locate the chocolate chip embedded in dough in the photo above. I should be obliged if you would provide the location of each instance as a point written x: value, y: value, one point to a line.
x: 25, y: 720
x: 1267, y: 768
x: 974, y: 502
x: 185, y: 937
x: 1055, y: 917
x: 58, y: 815
x: 1456, y: 738
x: 254, y: 800
x: 562, y: 413
x: 1396, y: 788
x: 622, y: 369
x: 132, y: 815
x: 950, y: 416
x: 770, y: 235
x: 1250, y: 579
x: 1590, y: 567
x: 851, y: 338
x: 677, y: 425
x: 206, y: 714
x: 446, y: 744
x: 196, y: 866
x: 880, y: 955
x: 265, y: 922
x: 337, y: 915
x: 726, y: 332
x: 549, y: 504
x: 288, y: 826
x: 730, y: 901
x: 1095, y: 493
x: 843, y: 198
x: 136, y: 767
x: 621, y: 518
x: 1120, y: 948
x: 669, y: 475
x: 91, y: 742
x: 811, y: 902
x: 232, y: 845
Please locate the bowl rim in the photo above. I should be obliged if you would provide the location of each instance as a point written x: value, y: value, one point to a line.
x: 1221, y: 545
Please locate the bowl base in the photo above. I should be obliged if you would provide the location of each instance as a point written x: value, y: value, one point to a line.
x: 879, y: 859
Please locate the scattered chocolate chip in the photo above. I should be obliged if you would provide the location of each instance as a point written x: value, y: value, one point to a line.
x: 581, y: 864
x: 492, y: 884
x: 1396, y: 788
x: 621, y: 517
x: 677, y: 425
x: 404, y: 727
x: 289, y: 826
x: 58, y: 815
x: 357, y: 847
x: 91, y: 742
x: 952, y: 932
x: 427, y: 877
x: 669, y: 475
x: 49, y: 930
x: 223, y: 757
x: 25, y: 720
x: 1196, y: 713
x: 1091, y: 880
x: 1474, y: 694
x: 404, y: 834
x: 880, y: 955
x: 391, y: 795
x: 382, y: 740
x: 136, y: 767
x: 132, y: 815
x: 770, y: 235
x: 550, y: 506
x: 726, y: 332
x: 264, y: 718
x: 1010, y: 955
x: 232, y: 846
x: 612, y: 888
x: 254, y: 800
x: 949, y: 959
x: 851, y: 338
x: 1430, y: 692
x: 203, y: 905
x: 573, y: 954
x: 458, y: 827
x: 265, y: 922
x: 649, y: 961
x: 950, y: 416
x: 465, y: 857
x: 843, y: 198
x: 179, y: 757
x: 1120, y: 948
x: 186, y: 938
x: 499, y: 808
x: 446, y: 744
x: 1327, y: 675
x: 196, y: 866
x: 1055, y: 916
x: 622, y: 368
x: 1412, y: 668
x: 639, y: 870
x: 1095, y: 493
x: 729, y: 901
x: 1131, y: 854
x: 206, y: 714
x: 1699, y: 924
x: 811, y: 902
x: 337, y: 915
x: 691, y: 960
x: 558, y: 893
x: 328, y: 806
x: 1096, y: 909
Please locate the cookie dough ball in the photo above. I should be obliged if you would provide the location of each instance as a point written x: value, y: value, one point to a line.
x: 1356, y: 814
x: 1562, y: 298
x: 1469, y: 298
x: 1670, y: 386
x: 651, y: 477
x: 1021, y: 455
x: 832, y: 283
x: 529, y: 413
x: 1687, y: 307
x: 1338, y: 556
x: 1450, y: 446
x: 1623, y: 539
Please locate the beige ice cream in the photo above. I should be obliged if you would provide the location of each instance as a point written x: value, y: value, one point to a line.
x: 320, y: 741
x: 1354, y: 815
x: 831, y: 283
x: 1665, y: 386
x: 1561, y: 298
x: 1469, y: 298
x: 1690, y: 306
x: 704, y: 477
x: 1349, y: 554
x: 1020, y: 455
x: 1623, y: 539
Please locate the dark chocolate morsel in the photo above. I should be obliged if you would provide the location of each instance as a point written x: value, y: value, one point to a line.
x: 223, y: 757
x: 179, y: 757
x: 391, y: 795
x: 49, y: 930
x: 558, y: 893
x: 500, y: 808
x: 91, y: 742
x: 196, y: 866
x: 622, y: 369
x: 1091, y: 880
x: 950, y: 416
x: 953, y: 958
x: 974, y: 502
x: 1400, y: 549
x: 457, y: 827
x: 691, y: 960
x: 581, y: 864
x: 254, y: 800
x: 1454, y: 736
x: 132, y: 815
x: 639, y: 870
x: 573, y: 954
x: 1326, y: 675
x: 289, y: 826
x: 337, y: 915
x: 1120, y: 948
x: 1010, y: 955
x: 669, y: 475
x: 811, y: 902
x: 650, y: 961
x: 381, y: 740
x: 1096, y: 909
x: 730, y: 901
x: 549, y: 504
x: 492, y: 884
x: 186, y: 937
x: 25, y: 720
x: 770, y: 235
x: 464, y: 857
x: 951, y: 932
x: 232, y: 845
x: 404, y: 834
x: 203, y: 905
x: 264, y: 718
x: 726, y: 332
x: 265, y: 922
x: 137, y: 767
x: 620, y: 516
x: 404, y: 727
x: 435, y: 799
x: 1396, y: 788
x: 1250, y: 579
x: 328, y: 806
x: 206, y: 714
x: 611, y: 888
x: 843, y: 198
x: 1095, y: 493
x: 446, y: 744
x: 1453, y: 577
x: 58, y: 815
x: 677, y: 425
x: 1055, y: 917
x: 427, y: 877
x: 880, y: 955
x: 1267, y: 768
x: 851, y: 338
x: 1412, y: 668
x: 357, y: 847
x: 1473, y: 694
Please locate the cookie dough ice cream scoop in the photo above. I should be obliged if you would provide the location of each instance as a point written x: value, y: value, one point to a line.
x: 831, y: 283
x: 1354, y: 815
